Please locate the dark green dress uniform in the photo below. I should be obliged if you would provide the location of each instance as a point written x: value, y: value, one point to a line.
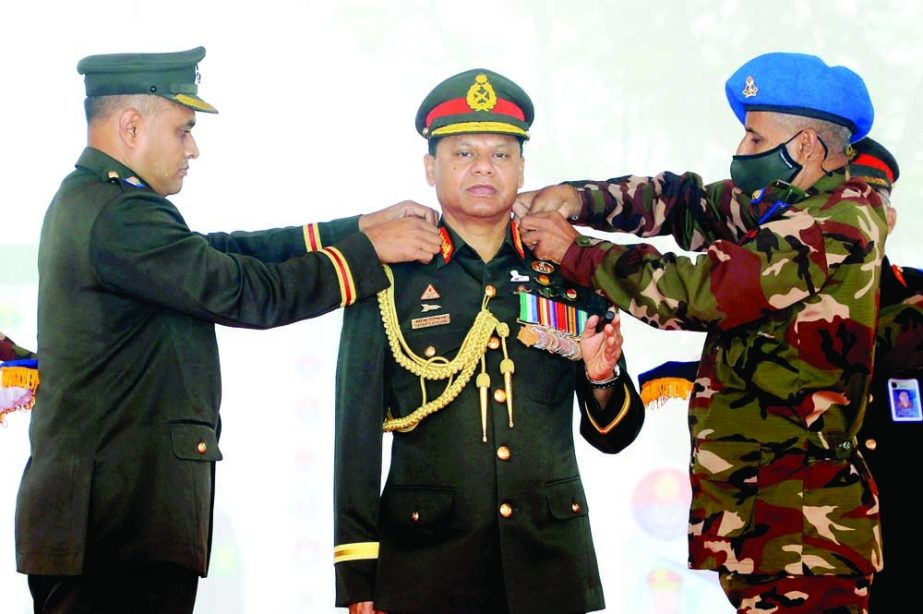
x: 888, y: 441
x: 466, y: 524
x: 125, y: 429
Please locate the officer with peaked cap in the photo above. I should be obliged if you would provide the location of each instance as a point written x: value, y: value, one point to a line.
x: 471, y: 361
x: 783, y: 507
x: 887, y: 437
x: 115, y: 505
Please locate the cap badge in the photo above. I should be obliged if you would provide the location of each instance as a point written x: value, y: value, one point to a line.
x: 750, y: 88
x: 198, y: 76
x: 481, y: 95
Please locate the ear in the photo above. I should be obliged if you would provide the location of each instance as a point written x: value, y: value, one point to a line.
x: 130, y: 124
x: 810, y: 146
x: 429, y: 163
x: 522, y: 172
x: 891, y: 212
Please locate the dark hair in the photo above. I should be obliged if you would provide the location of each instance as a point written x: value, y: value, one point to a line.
x: 433, y: 143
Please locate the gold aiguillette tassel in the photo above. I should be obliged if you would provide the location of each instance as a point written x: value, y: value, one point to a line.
x: 483, y: 383
x: 507, y: 368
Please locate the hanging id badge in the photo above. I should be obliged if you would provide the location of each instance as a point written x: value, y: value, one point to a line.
x: 904, y: 397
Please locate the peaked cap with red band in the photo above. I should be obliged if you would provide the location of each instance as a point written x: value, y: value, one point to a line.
x: 475, y: 101
x: 870, y: 160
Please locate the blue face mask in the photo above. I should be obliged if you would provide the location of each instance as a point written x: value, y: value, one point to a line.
x: 754, y: 172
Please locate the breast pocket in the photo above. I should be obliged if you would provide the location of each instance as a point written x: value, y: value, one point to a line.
x: 438, y: 346
x: 541, y: 376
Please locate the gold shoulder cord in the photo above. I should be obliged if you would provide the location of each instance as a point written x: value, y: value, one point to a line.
x: 457, y: 371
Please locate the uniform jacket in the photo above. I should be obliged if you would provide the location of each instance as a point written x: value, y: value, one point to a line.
x: 789, y: 307
x: 458, y: 516
x: 889, y: 445
x: 124, y: 432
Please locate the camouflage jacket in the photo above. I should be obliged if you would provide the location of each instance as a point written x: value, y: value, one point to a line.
x: 789, y: 306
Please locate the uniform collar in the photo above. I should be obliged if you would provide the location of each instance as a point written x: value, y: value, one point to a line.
x: 452, y: 242
x: 106, y: 167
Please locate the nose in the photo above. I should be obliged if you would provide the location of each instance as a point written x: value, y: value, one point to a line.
x: 483, y: 165
x: 192, y: 149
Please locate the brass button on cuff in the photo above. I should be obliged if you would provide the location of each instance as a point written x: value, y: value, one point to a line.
x: 202, y: 448
x: 506, y: 510
x: 503, y: 453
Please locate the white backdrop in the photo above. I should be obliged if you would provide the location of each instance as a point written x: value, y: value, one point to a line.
x: 317, y: 103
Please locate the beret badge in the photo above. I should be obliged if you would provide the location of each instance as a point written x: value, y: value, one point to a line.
x: 750, y: 88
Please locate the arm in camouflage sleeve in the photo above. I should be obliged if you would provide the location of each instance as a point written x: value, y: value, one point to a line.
x: 780, y: 264
x: 899, y: 334
x: 360, y: 409
x: 667, y: 204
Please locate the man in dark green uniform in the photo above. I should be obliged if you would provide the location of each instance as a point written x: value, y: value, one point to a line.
x: 115, y: 506
x: 889, y: 431
x: 471, y: 362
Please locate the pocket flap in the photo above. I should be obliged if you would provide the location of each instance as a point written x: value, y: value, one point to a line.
x: 194, y: 441
x: 417, y: 506
x: 566, y: 499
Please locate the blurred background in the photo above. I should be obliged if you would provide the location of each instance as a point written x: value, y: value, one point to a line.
x: 317, y: 102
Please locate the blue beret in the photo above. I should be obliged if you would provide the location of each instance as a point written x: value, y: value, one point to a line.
x: 801, y: 84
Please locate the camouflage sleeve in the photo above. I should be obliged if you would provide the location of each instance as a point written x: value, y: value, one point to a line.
x: 695, y: 214
x: 776, y: 266
x: 899, y: 334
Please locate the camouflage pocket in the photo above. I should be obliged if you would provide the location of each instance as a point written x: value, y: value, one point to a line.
x: 724, y: 486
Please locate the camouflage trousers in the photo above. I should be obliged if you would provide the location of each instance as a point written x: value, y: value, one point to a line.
x: 758, y: 594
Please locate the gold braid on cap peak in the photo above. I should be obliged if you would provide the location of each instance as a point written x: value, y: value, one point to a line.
x: 457, y: 371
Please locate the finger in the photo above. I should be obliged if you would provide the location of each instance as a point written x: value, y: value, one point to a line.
x: 520, y: 209
x: 589, y: 329
x: 526, y: 198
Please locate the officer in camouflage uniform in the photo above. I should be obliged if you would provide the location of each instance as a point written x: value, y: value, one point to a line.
x: 114, y: 512
x: 886, y: 435
x: 787, y: 291
x: 483, y: 509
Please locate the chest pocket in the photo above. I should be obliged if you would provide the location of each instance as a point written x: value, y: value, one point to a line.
x: 439, y: 343
x: 541, y: 376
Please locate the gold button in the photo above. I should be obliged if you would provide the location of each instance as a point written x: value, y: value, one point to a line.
x: 503, y: 453
x: 500, y: 395
x: 490, y: 291
x: 506, y: 510
x: 415, y: 517
x: 575, y: 507
x: 871, y: 444
x: 494, y: 343
x: 429, y: 352
x: 202, y: 447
